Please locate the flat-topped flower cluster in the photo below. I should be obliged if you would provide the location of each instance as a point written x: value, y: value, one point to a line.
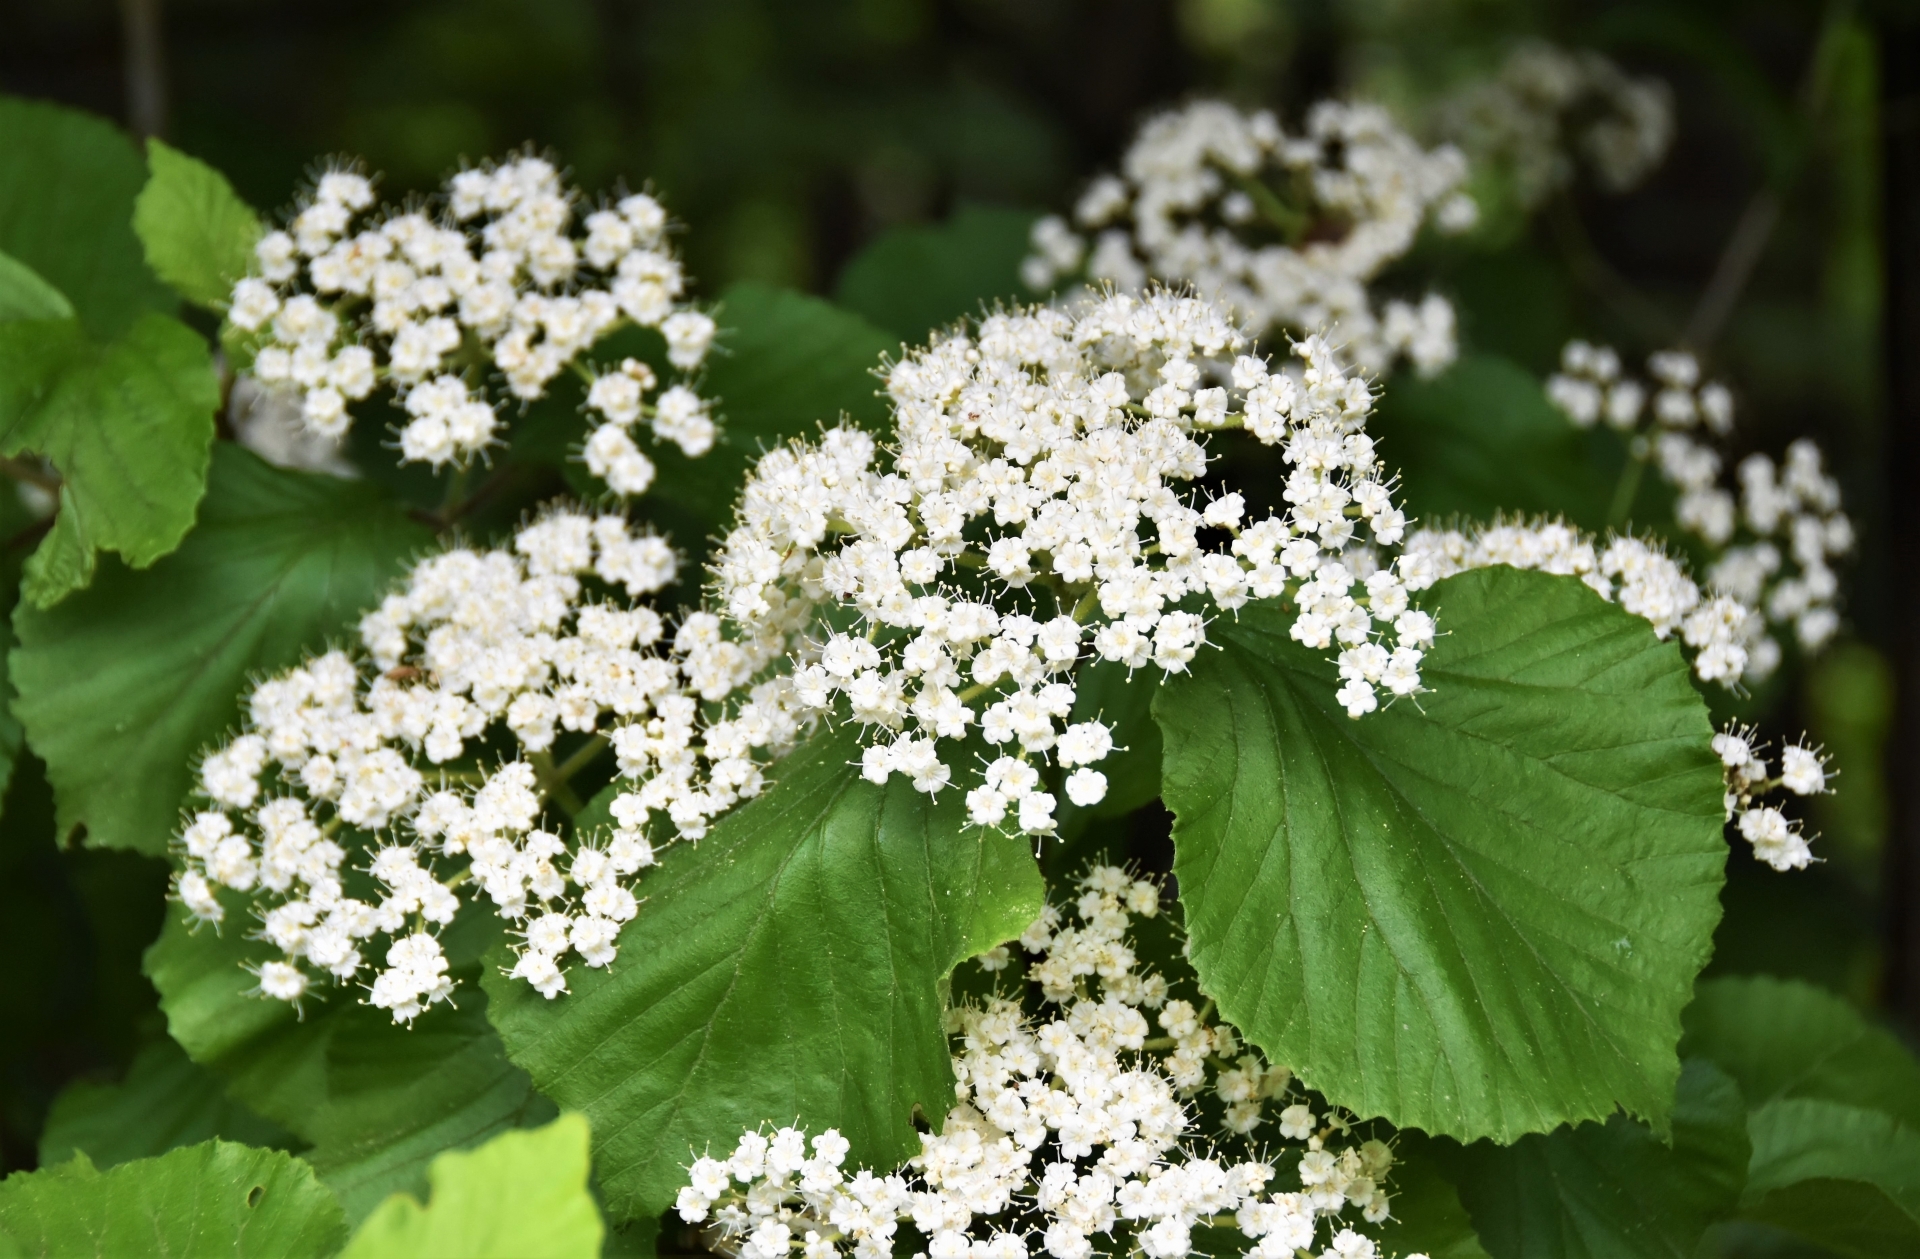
x: 1774, y: 543
x: 1033, y: 514
x: 359, y: 805
x: 1074, y: 1130
x: 493, y: 278
x: 1287, y: 230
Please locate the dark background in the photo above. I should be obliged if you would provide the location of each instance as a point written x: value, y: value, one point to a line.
x: 790, y: 134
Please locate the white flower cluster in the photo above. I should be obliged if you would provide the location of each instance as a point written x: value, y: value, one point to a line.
x: 1548, y: 107
x: 1009, y: 527
x: 1787, y: 516
x: 1287, y: 230
x: 1719, y: 630
x: 490, y: 277
x: 1775, y: 837
x: 1069, y: 1132
x: 326, y: 814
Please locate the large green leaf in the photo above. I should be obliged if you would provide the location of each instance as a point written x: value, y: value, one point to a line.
x: 1778, y: 1039
x: 197, y: 232
x: 165, y: 1101
x: 121, y: 686
x: 786, y: 366
x: 376, y: 1101
x: 789, y: 967
x: 915, y: 279
x: 1478, y: 915
x: 522, y: 1195
x: 67, y: 184
x: 1842, y: 1176
x: 216, y: 1198
x: 1601, y: 1191
x: 1482, y: 438
x: 128, y: 426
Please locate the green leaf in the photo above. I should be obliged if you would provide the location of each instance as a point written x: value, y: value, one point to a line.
x: 128, y: 425
x: 1843, y: 1176
x: 122, y: 686
x: 522, y: 1195
x: 1612, y: 1189
x: 36, y: 355
x: 376, y: 1101
x: 1484, y: 439
x: 790, y: 967
x: 1836, y: 1112
x: 397, y: 1097
x: 197, y: 232
x: 1478, y: 915
x: 64, y: 561
x: 1778, y: 1039
x: 67, y: 185
x: 271, y: 1057
x: 24, y: 295
x: 166, y: 1101
x: 786, y: 366
x: 915, y: 279
x: 214, y: 1198
x: 12, y: 737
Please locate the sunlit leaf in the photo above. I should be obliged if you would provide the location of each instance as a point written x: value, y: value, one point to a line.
x: 522, y: 1195
x: 197, y: 233
x: 207, y: 1199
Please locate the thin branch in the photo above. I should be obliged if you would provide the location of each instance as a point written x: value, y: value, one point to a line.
x: 581, y: 758
x: 29, y: 472
x: 1754, y: 229
x: 1592, y: 269
x: 146, y: 66
x: 1742, y: 254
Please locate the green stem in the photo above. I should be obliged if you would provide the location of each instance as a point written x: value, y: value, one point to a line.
x: 553, y: 778
x: 456, y: 489
x: 1628, y: 488
x: 1291, y: 223
x: 581, y: 758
